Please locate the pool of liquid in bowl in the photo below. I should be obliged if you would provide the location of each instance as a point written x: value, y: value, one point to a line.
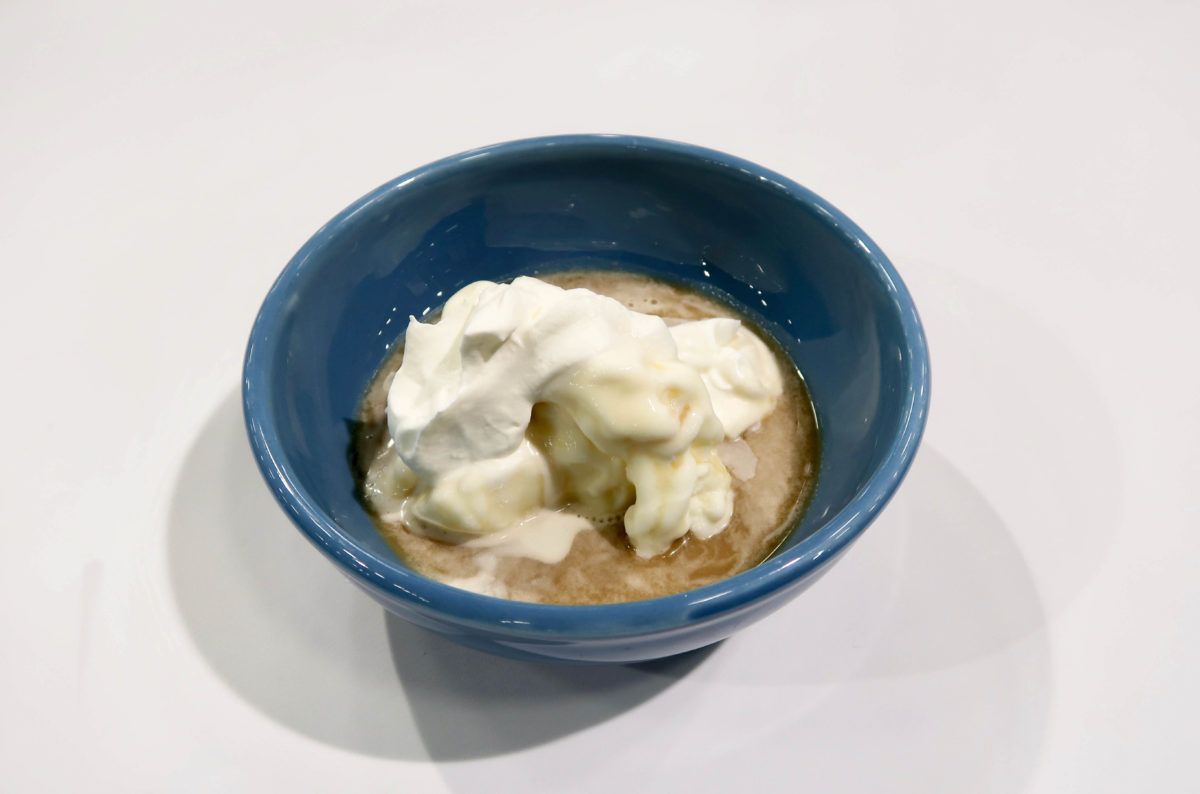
x: 773, y: 481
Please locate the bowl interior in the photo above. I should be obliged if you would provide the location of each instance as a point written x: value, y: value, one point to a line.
x: 795, y: 264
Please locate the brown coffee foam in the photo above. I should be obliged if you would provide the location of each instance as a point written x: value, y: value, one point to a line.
x: 601, y: 568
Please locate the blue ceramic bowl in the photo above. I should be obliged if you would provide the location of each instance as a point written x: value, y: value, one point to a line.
x: 800, y: 267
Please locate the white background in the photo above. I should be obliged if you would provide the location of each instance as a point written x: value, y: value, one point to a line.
x: 1025, y: 616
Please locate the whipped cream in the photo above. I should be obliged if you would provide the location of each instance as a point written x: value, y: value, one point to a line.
x: 525, y: 402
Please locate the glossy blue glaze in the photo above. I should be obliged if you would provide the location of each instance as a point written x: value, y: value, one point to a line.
x: 802, y: 268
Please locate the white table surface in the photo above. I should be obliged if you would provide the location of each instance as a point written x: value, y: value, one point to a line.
x: 1024, y: 617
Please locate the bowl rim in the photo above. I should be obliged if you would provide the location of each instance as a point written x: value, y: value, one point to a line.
x: 525, y: 620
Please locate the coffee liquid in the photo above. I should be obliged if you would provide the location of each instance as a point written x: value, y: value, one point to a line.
x: 601, y: 567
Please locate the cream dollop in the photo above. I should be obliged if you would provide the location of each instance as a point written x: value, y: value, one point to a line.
x: 525, y: 398
x: 738, y: 370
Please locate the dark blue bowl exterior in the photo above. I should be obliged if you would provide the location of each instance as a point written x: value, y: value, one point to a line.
x: 802, y: 269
